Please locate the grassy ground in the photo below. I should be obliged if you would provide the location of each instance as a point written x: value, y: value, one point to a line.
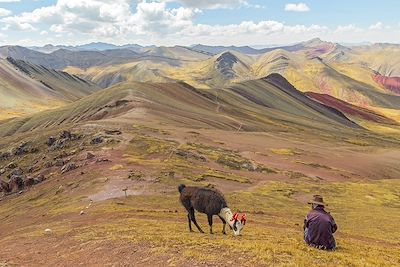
x: 269, y: 180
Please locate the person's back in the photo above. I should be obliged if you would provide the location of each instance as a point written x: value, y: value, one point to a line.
x: 319, y: 226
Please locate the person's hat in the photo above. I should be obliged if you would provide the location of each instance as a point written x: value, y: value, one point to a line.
x: 317, y: 199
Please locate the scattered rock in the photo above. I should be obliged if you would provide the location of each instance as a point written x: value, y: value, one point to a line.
x: 135, y: 175
x: 66, y: 135
x: 90, y: 155
x: 11, y: 166
x: 51, y: 140
x: 28, y: 182
x: 112, y: 141
x: 49, y: 164
x: 188, y: 154
x: 58, y: 144
x: 68, y: 167
x: 15, y: 172
x: 2, y: 171
x: 4, y: 186
x: 59, y: 162
x: 33, y: 168
x: 97, y: 140
x: 48, y: 231
x: 39, y: 179
x: 102, y: 160
x: 82, y: 212
x: 16, y: 183
x: 113, y: 132
x: 21, y: 149
x: 59, y: 189
x: 4, y: 155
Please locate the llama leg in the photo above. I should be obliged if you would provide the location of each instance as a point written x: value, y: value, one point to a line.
x: 190, y: 223
x: 224, y: 224
x: 210, y: 221
x: 193, y: 218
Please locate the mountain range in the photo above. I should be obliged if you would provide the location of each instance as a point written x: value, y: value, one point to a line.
x: 360, y: 81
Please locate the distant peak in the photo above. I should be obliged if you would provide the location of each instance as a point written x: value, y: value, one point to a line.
x: 314, y: 42
x: 227, y: 56
x: 275, y: 77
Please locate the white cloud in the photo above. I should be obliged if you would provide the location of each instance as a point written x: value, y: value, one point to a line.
x: 4, y: 12
x: 211, y: 4
x: 300, y: 7
x: 347, y: 28
x: 105, y: 18
x: 8, y: 1
x: 157, y: 22
x: 14, y: 24
x: 379, y: 26
x: 376, y: 26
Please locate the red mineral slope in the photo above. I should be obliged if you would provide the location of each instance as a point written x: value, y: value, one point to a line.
x: 391, y: 84
x: 349, y: 109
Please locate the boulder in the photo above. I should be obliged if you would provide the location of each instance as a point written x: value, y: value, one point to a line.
x: 16, y: 183
x: 96, y: 140
x: 40, y: 178
x: 90, y: 155
x: 51, y: 140
x: 28, y: 182
x: 48, y: 231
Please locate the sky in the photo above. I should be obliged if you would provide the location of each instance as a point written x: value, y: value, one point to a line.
x: 187, y: 22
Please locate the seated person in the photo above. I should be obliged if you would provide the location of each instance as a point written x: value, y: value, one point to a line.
x: 319, y: 226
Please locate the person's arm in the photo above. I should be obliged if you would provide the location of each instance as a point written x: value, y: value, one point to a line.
x: 334, y: 225
x: 305, y: 223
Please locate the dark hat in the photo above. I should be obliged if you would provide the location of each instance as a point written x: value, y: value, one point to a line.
x: 317, y: 199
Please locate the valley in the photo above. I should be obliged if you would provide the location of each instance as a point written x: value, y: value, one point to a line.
x: 95, y: 140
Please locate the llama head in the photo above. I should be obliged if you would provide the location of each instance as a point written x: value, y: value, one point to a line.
x: 237, y: 225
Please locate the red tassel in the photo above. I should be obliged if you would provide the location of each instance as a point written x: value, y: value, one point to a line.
x: 235, y: 216
x: 243, y: 219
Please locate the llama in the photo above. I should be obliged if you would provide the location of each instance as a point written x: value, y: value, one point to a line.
x: 210, y: 202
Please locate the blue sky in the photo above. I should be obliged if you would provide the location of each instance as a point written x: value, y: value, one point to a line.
x: 184, y: 22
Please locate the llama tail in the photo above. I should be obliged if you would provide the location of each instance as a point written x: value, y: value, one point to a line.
x: 181, y: 187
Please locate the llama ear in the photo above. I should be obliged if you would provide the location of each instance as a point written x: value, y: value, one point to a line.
x: 243, y: 219
x: 235, y: 216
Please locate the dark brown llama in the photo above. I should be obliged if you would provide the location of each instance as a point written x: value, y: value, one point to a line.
x: 210, y: 202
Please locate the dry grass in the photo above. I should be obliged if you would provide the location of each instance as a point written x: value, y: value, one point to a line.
x: 357, y: 142
x: 273, y: 235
